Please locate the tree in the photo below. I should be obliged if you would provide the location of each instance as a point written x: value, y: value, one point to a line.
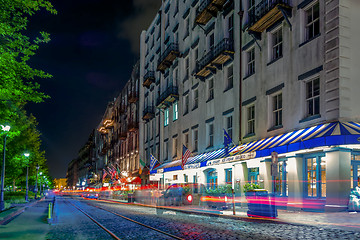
x: 19, y: 84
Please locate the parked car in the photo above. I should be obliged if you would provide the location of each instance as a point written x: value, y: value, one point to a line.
x: 91, y: 195
x: 181, y: 194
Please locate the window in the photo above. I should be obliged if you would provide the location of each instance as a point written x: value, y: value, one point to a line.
x: 313, y: 97
x: 211, y: 41
x: 277, y: 110
x: 186, y: 104
x: 253, y: 175
x: 316, y: 176
x: 281, y: 180
x: 166, y: 150
x: 228, y: 176
x: 229, y: 78
x: 195, y: 140
x: 175, y: 147
x: 195, y: 57
x: 211, y: 89
x: 166, y: 117
x: 250, y: 62
x: 312, y: 20
x: 277, y: 49
x: 167, y: 21
x: 175, y: 177
x: 251, y: 6
x: 210, y: 135
x: 187, y: 68
x: 229, y: 125
x: 175, y: 111
x: 251, y: 120
x: 196, y: 99
x: 187, y: 26
x: 355, y: 171
x: 175, y: 76
x: 231, y: 27
x: 186, y: 140
x: 186, y: 178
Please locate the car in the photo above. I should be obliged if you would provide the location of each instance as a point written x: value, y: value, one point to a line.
x: 91, y: 195
x: 217, y: 201
x: 181, y: 194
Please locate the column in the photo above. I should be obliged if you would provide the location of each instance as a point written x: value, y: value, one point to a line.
x: 338, y: 165
x: 295, y: 182
x: 265, y: 175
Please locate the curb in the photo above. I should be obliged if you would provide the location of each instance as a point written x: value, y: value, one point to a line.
x: 13, y: 215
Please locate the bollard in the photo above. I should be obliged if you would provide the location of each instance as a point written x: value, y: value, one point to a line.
x: 50, y: 208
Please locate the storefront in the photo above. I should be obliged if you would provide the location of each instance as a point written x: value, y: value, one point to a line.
x: 316, y: 167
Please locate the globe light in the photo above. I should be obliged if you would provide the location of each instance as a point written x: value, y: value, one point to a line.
x: 5, y: 128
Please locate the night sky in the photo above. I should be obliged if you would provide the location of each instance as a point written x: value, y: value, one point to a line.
x: 93, y: 48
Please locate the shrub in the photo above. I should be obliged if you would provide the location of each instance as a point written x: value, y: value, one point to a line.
x: 251, y: 186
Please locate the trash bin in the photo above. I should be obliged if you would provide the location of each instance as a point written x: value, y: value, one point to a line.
x: 260, y: 204
x: 131, y: 198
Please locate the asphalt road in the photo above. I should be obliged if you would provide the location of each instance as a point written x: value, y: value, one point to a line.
x: 72, y: 224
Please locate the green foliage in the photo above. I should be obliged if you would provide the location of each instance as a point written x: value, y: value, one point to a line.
x: 18, y: 86
x: 251, y: 186
x: 226, y: 189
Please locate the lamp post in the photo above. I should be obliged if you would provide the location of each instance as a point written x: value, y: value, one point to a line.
x: 27, y: 178
x: 6, y: 129
x: 36, y: 189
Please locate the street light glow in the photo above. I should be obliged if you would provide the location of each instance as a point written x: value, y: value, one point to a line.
x: 26, y: 154
x: 5, y: 128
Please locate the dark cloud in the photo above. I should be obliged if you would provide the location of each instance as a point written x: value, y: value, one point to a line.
x: 143, y: 14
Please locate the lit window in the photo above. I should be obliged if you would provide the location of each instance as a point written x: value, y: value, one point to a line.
x: 175, y: 111
x: 316, y: 177
x: 166, y: 117
x: 251, y: 120
x: 313, y: 97
x: 312, y: 20
x: 175, y: 177
x: 277, y: 110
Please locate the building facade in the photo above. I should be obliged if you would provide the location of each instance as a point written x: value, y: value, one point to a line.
x: 190, y: 91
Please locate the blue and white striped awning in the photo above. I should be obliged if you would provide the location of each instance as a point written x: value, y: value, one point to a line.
x: 327, y: 134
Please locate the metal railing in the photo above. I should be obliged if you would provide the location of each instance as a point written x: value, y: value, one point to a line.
x: 224, y: 45
x: 149, y: 74
x: 171, y: 47
x: 166, y: 93
x: 203, y: 5
x: 149, y: 110
x: 262, y: 8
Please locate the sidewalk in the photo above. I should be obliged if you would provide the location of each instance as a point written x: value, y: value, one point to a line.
x: 31, y: 224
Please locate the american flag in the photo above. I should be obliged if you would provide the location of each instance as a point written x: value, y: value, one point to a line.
x: 153, y: 162
x: 185, y: 156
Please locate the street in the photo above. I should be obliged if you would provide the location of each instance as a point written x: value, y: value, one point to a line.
x: 73, y: 224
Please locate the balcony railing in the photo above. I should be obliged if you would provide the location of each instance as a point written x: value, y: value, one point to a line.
x: 170, y: 95
x: 149, y: 78
x: 123, y: 135
x: 133, y: 126
x: 133, y: 97
x: 168, y: 56
x: 148, y: 113
x: 266, y: 13
x: 215, y: 58
x: 208, y: 9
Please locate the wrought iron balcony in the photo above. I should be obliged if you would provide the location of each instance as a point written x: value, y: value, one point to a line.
x: 133, y: 126
x: 168, y: 56
x: 208, y: 9
x: 170, y: 95
x: 215, y: 58
x: 133, y: 96
x: 123, y: 135
x: 266, y: 13
x: 149, y: 78
x: 148, y: 113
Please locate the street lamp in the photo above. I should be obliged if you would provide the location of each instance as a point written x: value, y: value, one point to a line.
x: 27, y: 178
x: 6, y: 129
x: 36, y: 189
